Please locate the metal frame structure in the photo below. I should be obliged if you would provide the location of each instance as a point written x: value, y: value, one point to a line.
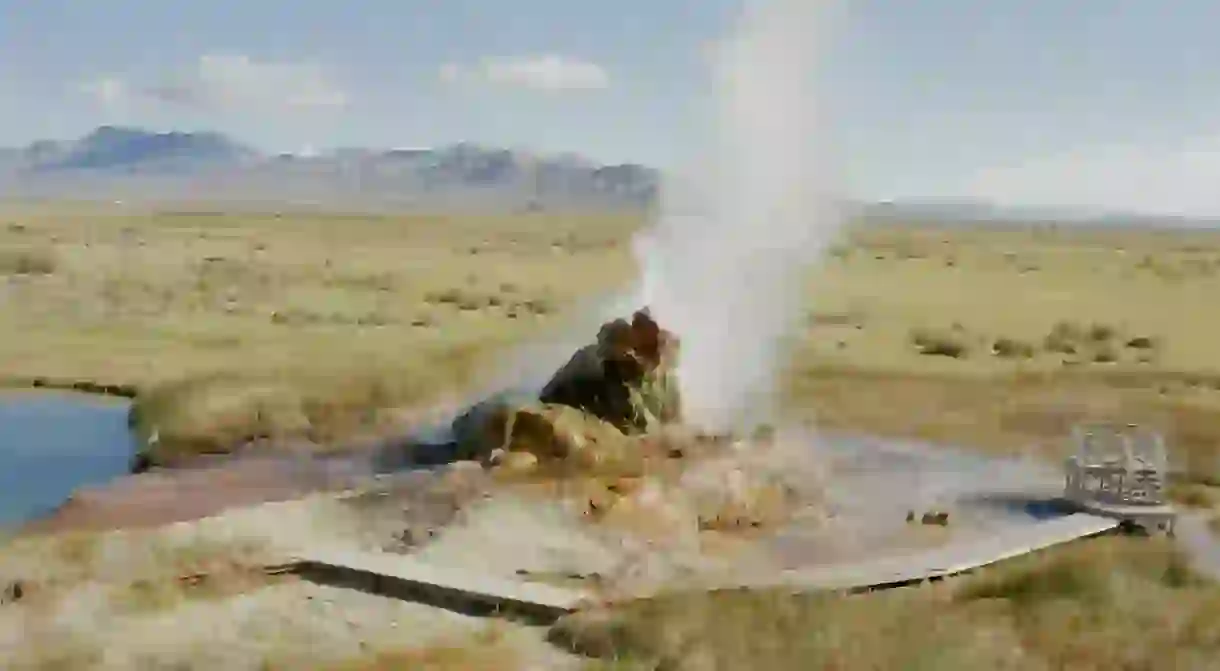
x: 1120, y: 471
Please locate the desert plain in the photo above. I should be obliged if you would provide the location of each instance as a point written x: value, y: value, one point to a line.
x: 309, y: 328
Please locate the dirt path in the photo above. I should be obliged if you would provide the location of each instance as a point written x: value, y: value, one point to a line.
x: 164, y: 497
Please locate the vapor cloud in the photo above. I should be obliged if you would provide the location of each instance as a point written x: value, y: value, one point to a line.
x: 546, y: 73
x: 108, y: 91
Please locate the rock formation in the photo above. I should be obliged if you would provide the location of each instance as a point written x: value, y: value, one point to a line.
x: 620, y: 387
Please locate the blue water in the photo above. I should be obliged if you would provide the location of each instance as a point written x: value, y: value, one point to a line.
x: 52, y: 443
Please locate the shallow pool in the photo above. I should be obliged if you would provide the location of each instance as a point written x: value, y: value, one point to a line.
x: 53, y: 443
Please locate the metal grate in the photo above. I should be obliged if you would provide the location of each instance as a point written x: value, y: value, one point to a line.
x: 1117, y: 465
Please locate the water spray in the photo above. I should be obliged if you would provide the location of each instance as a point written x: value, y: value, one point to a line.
x: 724, y: 266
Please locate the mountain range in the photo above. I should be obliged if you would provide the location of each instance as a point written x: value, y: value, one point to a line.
x: 135, y: 164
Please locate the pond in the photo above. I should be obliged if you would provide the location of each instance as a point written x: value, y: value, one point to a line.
x: 54, y: 443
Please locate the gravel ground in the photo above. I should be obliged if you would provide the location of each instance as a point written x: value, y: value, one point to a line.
x: 108, y: 601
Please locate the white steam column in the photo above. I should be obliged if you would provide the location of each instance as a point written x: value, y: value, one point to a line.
x: 725, y: 266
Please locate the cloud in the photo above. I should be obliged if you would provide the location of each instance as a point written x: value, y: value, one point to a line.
x: 452, y: 73
x: 1175, y: 179
x: 108, y: 91
x: 227, y: 81
x: 231, y: 82
x: 546, y: 73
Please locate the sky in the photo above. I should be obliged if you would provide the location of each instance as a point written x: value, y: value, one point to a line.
x: 1112, y: 103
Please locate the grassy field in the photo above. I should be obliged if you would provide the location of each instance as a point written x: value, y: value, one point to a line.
x: 1115, y: 603
x: 1004, y: 338
x: 235, y: 326
x: 244, y: 325
x: 241, y: 325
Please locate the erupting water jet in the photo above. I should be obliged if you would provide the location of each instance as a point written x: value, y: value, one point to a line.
x: 724, y: 266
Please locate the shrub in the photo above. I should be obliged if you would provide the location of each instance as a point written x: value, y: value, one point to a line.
x: 1142, y: 342
x: 1101, y: 333
x: 1066, y: 337
x: 1105, y: 354
x: 940, y: 343
x: 1010, y: 348
x: 26, y: 262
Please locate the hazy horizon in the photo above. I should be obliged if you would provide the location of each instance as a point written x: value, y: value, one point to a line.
x: 1039, y: 103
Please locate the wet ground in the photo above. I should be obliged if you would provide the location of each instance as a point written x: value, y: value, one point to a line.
x: 874, y: 486
x: 863, y: 495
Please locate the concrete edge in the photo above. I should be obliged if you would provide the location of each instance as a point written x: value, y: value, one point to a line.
x: 475, y: 596
x: 401, y: 577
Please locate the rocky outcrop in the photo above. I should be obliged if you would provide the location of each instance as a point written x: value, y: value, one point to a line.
x: 593, y: 408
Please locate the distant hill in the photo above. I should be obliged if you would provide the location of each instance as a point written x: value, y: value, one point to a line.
x: 963, y: 213
x: 131, y: 163
x: 131, y: 149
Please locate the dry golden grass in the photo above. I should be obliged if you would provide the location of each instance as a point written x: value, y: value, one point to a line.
x: 485, y: 650
x: 93, y: 600
x: 235, y: 326
x: 1194, y: 495
x: 26, y: 262
x: 1001, y: 339
x: 1105, y: 604
x: 239, y: 326
x: 144, y: 570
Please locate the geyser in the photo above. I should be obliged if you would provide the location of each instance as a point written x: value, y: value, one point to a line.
x: 725, y: 264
